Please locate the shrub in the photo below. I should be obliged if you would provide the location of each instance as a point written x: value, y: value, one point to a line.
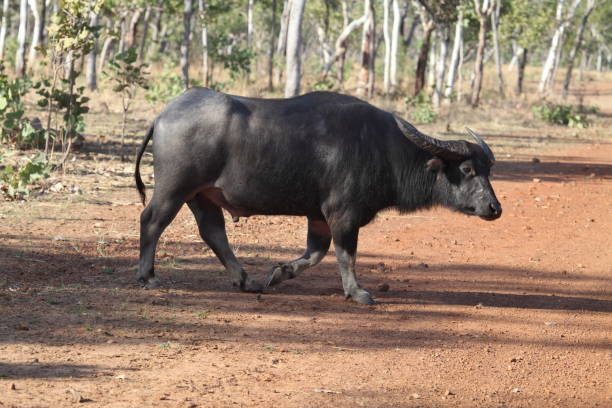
x: 15, y: 183
x: 420, y: 109
x: 565, y: 115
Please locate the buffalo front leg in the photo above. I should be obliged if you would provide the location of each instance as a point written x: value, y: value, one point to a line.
x: 154, y: 219
x: 211, y: 225
x: 345, y: 243
x: 317, y: 245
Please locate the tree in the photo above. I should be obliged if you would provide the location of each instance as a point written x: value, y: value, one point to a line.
x: 496, y: 52
x: 429, y: 25
x: 20, y: 64
x: 204, y: 36
x: 342, y: 43
x: 562, y: 21
x: 92, y: 80
x: 526, y: 22
x: 366, y: 76
x: 187, y: 13
x: 36, y: 31
x: 387, y: 39
x: 395, y: 32
x: 576, y: 47
x: 483, y: 11
x: 4, y: 27
x: 294, y: 43
x: 455, y: 56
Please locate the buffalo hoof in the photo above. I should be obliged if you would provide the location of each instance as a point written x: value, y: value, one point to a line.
x: 151, y: 283
x: 362, y: 297
x: 251, y: 286
x: 278, y: 274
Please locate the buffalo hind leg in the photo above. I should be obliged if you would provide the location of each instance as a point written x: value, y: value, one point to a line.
x: 317, y: 245
x: 345, y: 243
x: 158, y: 214
x: 211, y: 225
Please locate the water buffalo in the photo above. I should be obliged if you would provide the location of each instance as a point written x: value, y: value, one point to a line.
x: 332, y: 158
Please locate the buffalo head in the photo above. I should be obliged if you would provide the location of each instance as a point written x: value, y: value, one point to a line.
x: 462, y: 172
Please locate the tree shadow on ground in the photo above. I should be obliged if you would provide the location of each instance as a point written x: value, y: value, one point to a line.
x: 46, y: 370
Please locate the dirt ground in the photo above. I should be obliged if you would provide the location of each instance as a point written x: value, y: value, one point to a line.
x: 511, y: 313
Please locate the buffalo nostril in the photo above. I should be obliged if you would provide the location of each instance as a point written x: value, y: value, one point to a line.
x: 495, y: 208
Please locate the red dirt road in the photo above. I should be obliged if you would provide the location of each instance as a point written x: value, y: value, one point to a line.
x: 512, y: 313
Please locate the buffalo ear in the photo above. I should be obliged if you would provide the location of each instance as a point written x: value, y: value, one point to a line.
x: 435, y: 164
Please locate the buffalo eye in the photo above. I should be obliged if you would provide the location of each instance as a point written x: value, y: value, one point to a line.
x: 467, y: 170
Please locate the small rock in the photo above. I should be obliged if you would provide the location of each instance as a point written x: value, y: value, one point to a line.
x: 120, y: 377
x: 536, y: 180
x: 535, y: 160
x: 383, y: 287
x: 57, y: 187
x: 551, y: 323
x: 416, y: 396
x: 13, y: 387
x: 323, y: 390
x: 21, y: 326
x: 448, y: 392
x: 517, y: 389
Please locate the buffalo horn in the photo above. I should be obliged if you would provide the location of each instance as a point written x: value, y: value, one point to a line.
x: 483, y: 145
x: 445, y: 149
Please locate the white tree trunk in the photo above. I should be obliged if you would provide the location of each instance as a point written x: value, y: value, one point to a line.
x: 387, y: 40
x: 562, y: 21
x: 444, y: 37
x: 431, y: 65
x: 395, y: 34
x: 341, y: 42
x: 456, y: 54
x: 205, y: 67
x: 326, y: 51
x: 498, y: 62
x: 21, y: 39
x: 281, y: 48
x: 92, y: 81
x: 250, y: 23
x: 294, y: 43
x: 3, y: 29
x: 187, y: 12
x: 366, y: 76
x: 35, y: 31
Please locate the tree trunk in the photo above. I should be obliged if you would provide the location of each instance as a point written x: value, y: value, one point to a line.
x: 250, y: 4
x: 91, y: 76
x: 20, y: 64
x: 576, y: 48
x: 387, y: 40
x: 205, y: 65
x: 188, y: 11
x: 156, y: 30
x: 281, y: 48
x: 122, y: 30
x: 419, y: 80
x: 562, y: 21
x: 520, y: 73
x: 410, y: 33
x: 133, y: 30
x: 326, y: 52
x: 483, y: 14
x: 395, y: 32
x: 294, y: 45
x: 366, y: 75
x: 43, y: 18
x: 4, y: 28
x: 35, y: 31
x: 498, y: 62
x: 145, y: 33
x: 272, y: 48
x: 430, y: 83
x: 455, y: 55
x: 583, y: 61
x: 444, y: 35
x: 341, y: 48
